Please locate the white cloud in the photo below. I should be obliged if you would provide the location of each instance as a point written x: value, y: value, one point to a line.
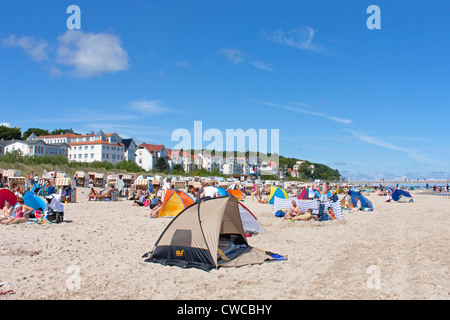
x: 237, y: 57
x: 37, y: 49
x: 313, y: 113
x: 301, y: 38
x: 261, y: 65
x: 182, y: 63
x: 413, y: 153
x: 148, y: 107
x: 91, y: 54
x: 5, y: 124
x: 233, y: 55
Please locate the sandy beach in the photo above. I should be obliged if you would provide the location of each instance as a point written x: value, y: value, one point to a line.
x: 398, y: 251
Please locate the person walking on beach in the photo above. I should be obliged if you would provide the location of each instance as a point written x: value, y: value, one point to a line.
x: 324, y: 192
x: 254, y: 192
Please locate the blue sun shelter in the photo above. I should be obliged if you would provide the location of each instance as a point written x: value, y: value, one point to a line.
x: 350, y: 201
x: 401, y: 196
x: 222, y: 192
x: 34, y: 201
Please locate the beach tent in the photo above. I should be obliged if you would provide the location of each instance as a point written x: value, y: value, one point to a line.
x: 208, y: 234
x: 249, y: 221
x: 6, y: 194
x: 340, y: 190
x: 277, y: 192
x: 401, y: 196
x: 303, y: 195
x: 222, y: 192
x: 350, y: 202
x: 304, y: 205
x: 34, y: 201
x: 236, y: 193
x: 174, y: 202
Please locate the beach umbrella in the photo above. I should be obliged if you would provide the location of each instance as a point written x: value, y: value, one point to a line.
x: 6, y: 194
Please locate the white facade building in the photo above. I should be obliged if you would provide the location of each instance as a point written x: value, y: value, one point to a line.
x: 36, y: 148
x: 148, y: 154
x: 92, y: 147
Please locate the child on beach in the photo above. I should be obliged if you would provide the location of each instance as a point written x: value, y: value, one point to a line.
x: 155, y: 211
x: 21, y: 212
x: 6, y: 211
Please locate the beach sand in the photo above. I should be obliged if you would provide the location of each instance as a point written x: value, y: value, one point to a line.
x: 398, y: 251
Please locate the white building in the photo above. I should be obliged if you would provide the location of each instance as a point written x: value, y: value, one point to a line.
x: 93, y: 147
x: 233, y: 166
x: 36, y: 147
x: 148, y: 154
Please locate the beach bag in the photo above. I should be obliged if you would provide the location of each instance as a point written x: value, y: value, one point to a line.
x: 51, y: 216
x: 279, y: 214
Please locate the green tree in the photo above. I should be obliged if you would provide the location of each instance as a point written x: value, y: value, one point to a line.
x: 7, y: 133
x: 177, y: 169
x: 128, y: 165
x: 36, y: 131
x: 161, y: 165
x: 61, y: 131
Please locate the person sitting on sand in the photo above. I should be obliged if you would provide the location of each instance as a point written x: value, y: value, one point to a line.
x: 305, y: 216
x: 154, y: 202
x: 141, y: 197
x: 358, y: 206
x: 105, y: 195
x: 331, y: 214
x: 155, y: 211
x: 294, y: 211
x: 264, y: 198
x: 92, y: 194
x: 21, y: 212
x: 211, y: 191
x: 6, y: 211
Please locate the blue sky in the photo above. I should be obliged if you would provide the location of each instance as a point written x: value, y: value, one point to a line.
x: 370, y: 103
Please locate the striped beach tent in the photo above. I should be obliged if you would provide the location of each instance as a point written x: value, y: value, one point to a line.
x: 304, y: 205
